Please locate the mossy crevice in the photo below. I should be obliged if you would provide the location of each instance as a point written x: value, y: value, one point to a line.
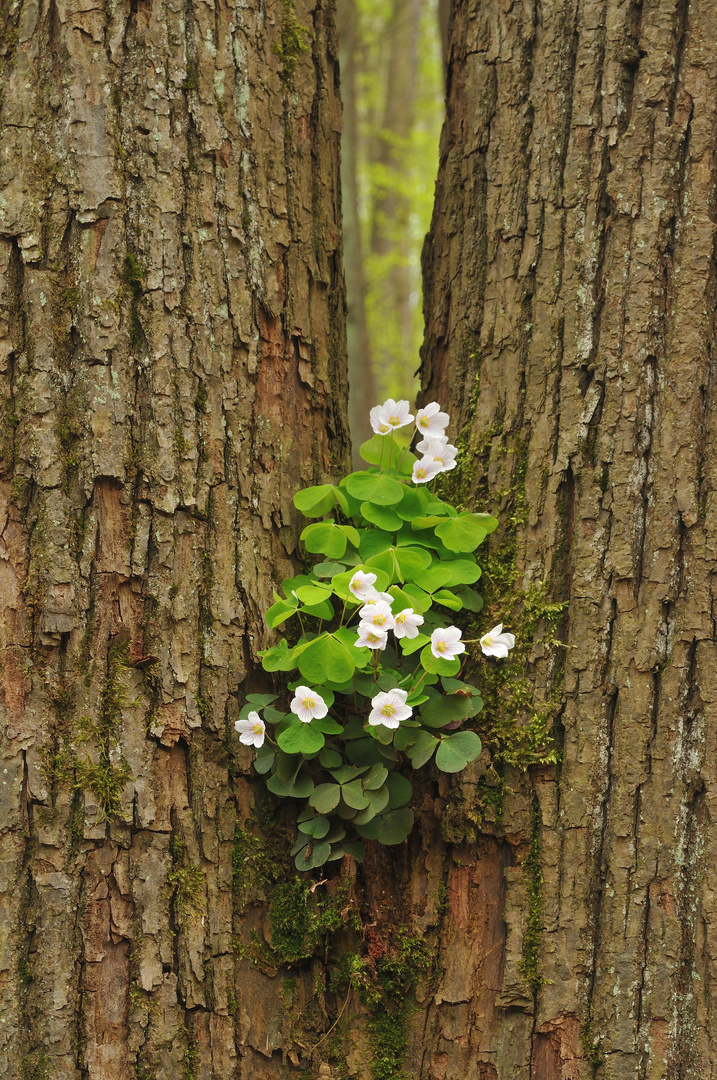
x: 107, y: 776
x: 291, y: 45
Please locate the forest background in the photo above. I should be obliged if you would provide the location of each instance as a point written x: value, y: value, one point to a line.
x: 392, y: 64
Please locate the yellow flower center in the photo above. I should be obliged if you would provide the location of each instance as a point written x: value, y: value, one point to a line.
x: 356, y: 584
x: 379, y: 620
x: 372, y: 637
x: 387, y: 710
x: 487, y: 641
x: 400, y: 618
x: 308, y: 703
x: 441, y: 646
x: 257, y: 729
x: 424, y: 421
x: 383, y: 428
x: 394, y: 420
x: 420, y: 473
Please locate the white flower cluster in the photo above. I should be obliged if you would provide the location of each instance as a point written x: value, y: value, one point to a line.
x: 377, y: 617
x: 438, y: 454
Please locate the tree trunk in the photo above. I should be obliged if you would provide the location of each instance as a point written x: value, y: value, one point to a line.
x: 569, y: 296
x: 172, y: 350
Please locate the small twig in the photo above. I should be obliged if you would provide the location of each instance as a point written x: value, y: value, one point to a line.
x: 341, y: 1013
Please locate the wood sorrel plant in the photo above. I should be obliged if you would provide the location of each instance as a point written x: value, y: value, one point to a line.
x: 379, y: 686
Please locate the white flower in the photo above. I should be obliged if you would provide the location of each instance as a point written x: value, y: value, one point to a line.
x: 392, y: 414
x: 424, y: 470
x: 445, y: 644
x: 496, y: 643
x: 370, y: 637
x: 406, y: 623
x: 431, y: 421
x: 307, y: 704
x: 422, y: 446
x: 389, y: 709
x: 377, y: 614
x: 361, y: 586
x: 251, y: 731
x: 386, y: 596
x: 442, y: 452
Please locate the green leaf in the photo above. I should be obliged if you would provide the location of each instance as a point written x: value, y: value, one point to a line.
x: 327, y: 724
x: 439, y: 667
x: 299, y: 788
x: 317, y: 501
x: 445, y: 709
x: 395, y: 826
x: 313, y: 855
x: 378, y: 800
x: 374, y: 488
x: 325, y: 797
x: 420, y: 601
x: 351, y: 534
x: 422, y: 749
x: 264, y: 758
x: 300, y: 739
x: 472, y: 601
x: 279, y: 658
x: 489, y: 523
x: 324, y: 611
x: 462, y: 571
x: 381, y: 516
x: 372, y: 543
x: 463, y: 533
x: 356, y: 849
x: 370, y: 829
x: 364, y: 751
x: 412, y: 645
x: 330, y: 759
x: 353, y: 795
x: 324, y: 537
x: 457, y: 750
x: 327, y: 659
x: 315, y: 826
x: 313, y: 594
x: 381, y: 449
x: 413, y: 504
x: 375, y: 778
x: 400, y: 790
x: 274, y: 716
x: 328, y: 569
x: 447, y: 599
x: 260, y: 701
x: 434, y: 578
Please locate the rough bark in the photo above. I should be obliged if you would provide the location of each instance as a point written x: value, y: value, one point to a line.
x: 570, y: 298
x: 172, y: 357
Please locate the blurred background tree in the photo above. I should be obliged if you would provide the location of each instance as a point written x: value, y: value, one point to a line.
x: 392, y: 88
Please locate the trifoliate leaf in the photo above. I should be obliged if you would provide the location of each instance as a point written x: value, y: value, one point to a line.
x: 374, y: 488
x: 326, y: 659
x: 325, y: 537
x: 395, y: 826
x: 463, y: 533
x: 300, y: 739
x: 325, y: 798
x: 317, y: 501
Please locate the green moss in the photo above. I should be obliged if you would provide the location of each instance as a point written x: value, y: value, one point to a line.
x: 529, y: 965
x: 591, y: 1043
x: 201, y: 398
x: 291, y: 44
x: 186, y: 882
x: 105, y: 778
x: 132, y: 274
x: 35, y: 1066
